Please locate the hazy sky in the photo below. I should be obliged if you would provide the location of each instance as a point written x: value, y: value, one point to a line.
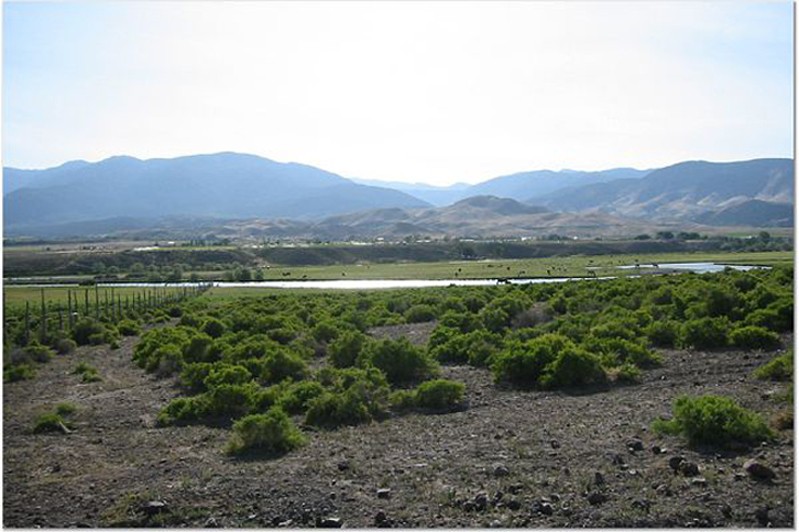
x: 411, y: 91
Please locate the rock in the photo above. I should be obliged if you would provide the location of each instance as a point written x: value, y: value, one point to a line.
x: 495, y: 524
x: 699, y: 481
x: 675, y: 461
x: 617, y: 459
x: 635, y: 445
x: 331, y: 522
x: 555, y: 444
x: 380, y: 517
x: 656, y: 449
x: 481, y: 501
x: 597, y: 497
x: 501, y: 471
x: 153, y: 507
x: 513, y: 505
x: 689, y: 469
x: 384, y: 493
x: 641, y: 504
x: 516, y: 488
x: 343, y: 466
x: 761, y: 514
x: 599, y: 480
x: 211, y: 523
x: 758, y: 471
x: 739, y: 476
x: 546, y: 508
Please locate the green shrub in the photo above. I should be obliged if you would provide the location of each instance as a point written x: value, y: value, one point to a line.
x: 193, y: 375
x: 626, y: 373
x: 325, y: 331
x: 64, y: 346
x: 198, y: 349
x: 714, y: 420
x: 439, y: 394
x: 129, y: 328
x: 50, y: 422
x: 524, y: 363
x: 344, y: 350
x: 704, y: 333
x: 214, y: 328
x: 87, y: 372
x: 232, y: 400
x: 18, y: 372
x: 573, y: 367
x: 65, y: 409
x: 420, y: 313
x: 86, y: 328
x: 227, y: 374
x: 282, y: 364
x: 355, y: 396
x: 402, y: 400
x: 663, y: 333
x: 617, y: 351
x: 184, y: 410
x: 37, y: 352
x: 297, y: 397
x: 753, y: 337
x: 271, y: 433
x: 777, y: 369
x: 401, y: 361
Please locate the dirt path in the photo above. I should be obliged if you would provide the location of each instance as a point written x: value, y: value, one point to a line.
x: 511, y: 459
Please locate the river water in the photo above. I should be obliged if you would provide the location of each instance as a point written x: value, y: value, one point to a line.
x: 374, y: 284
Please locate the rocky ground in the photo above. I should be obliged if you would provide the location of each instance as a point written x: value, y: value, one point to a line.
x: 511, y: 459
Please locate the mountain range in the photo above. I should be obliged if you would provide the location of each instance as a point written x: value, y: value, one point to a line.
x: 122, y: 193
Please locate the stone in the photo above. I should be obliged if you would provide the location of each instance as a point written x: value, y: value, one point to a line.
x: 546, y: 508
x: 699, y: 481
x: 501, y: 471
x: 481, y: 501
x: 343, y: 466
x: 555, y: 444
x: 675, y: 461
x: 761, y: 514
x: 331, y: 522
x: 211, y: 523
x: 758, y: 471
x: 380, y: 517
x: 599, y: 480
x: 513, y: 505
x: 689, y: 469
x: 153, y: 507
x: 384, y: 493
x: 635, y: 445
x: 617, y: 459
x: 597, y: 497
x: 656, y: 449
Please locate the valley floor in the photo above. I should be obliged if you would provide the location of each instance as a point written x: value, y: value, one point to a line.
x: 512, y: 459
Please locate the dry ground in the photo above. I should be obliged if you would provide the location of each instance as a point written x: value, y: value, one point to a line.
x: 511, y: 459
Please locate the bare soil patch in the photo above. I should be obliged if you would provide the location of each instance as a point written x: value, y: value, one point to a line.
x: 512, y: 459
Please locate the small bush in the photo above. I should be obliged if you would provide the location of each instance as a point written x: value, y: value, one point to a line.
x: 50, y: 422
x: 64, y: 346
x: 86, y: 330
x: 524, y: 363
x: 214, y: 328
x: 325, y: 331
x: 420, y: 313
x: 704, y: 333
x: 355, y: 396
x: 129, y: 328
x: 344, y: 350
x: 87, y: 372
x: 298, y: 396
x: 184, y: 410
x: 227, y: 374
x: 439, y: 394
x: 573, y: 367
x: 193, y: 375
x: 753, y: 337
x: 663, y: 333
x: 777, y: 369
x: 402, y: 400
x: 401, y: 361
x: 714, y: 420
x: 18, y: 372
x: 38, y: 353
x: 626, y: 373
x: 65, y: 409
x: 272, y: 433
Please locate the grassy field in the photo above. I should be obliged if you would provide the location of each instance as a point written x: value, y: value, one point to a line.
x: 16, y: 296
x: 575, y: 266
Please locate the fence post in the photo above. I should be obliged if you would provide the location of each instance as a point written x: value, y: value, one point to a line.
x: 43, y: 333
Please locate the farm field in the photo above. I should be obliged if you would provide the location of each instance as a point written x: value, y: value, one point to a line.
x: 505, y: 406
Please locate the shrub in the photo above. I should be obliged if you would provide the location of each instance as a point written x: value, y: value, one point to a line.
x: 198, y: 349
x: 714, y: 420
x: 231, y: 400
x: 753, y: 337
x: 704, y: 333
x: 193, y: 375
x: 65, y: 409
x: 325, y: 331
x: 129, y: 328
x: 663, y: 333
x: 617, y: 351
x: 297, y: 397
x: 184, y: 410
x: 401, y: 361
x: 50, y: 422
x: 282, y: 364
x: 37, y: 352
x: 214, y: 328
x: 86, y: 330
x: 524, y: 363
x: 573, y: 367
x: 64, y: 346
x: 777, y: 369
x: 87, y: 372
x: 626, y: 373
x: 18, y: 372
x: 227, y: 374
x: 272, y: 433
x: 355, y: 396
x: 420, y: 313
x: 439, y: 394
x: 344, y: 350
x: 402, y: 400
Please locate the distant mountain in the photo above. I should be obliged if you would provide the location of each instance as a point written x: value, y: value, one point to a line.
x: 519, y: 186
x: 475, y: 217
x: 751, y: 213
x: 224, y: 185
x: 681, y: 191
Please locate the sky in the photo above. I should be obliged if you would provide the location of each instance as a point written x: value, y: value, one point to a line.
x: 434, y: 92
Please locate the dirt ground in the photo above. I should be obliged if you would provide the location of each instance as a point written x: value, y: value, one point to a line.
x: 511, y: 459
